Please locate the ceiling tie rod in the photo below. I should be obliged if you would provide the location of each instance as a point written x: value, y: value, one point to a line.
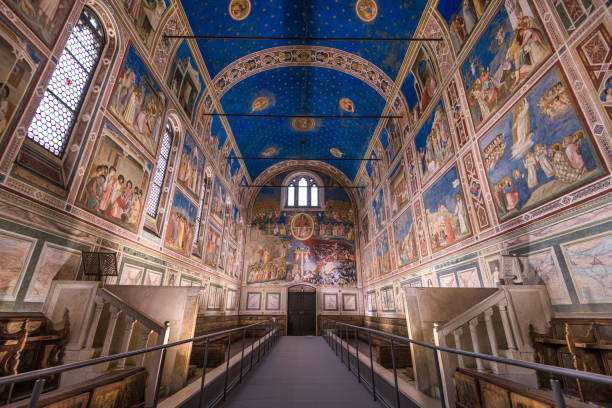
x: 248, y: 38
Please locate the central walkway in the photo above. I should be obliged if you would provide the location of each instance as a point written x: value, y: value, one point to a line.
x: 300, y: 372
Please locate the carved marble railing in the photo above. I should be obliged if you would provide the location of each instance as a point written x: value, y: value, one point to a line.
x: 498, y: 325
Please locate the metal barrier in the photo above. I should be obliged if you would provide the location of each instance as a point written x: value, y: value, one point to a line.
x: 333, y: 331
x: 269, y: 338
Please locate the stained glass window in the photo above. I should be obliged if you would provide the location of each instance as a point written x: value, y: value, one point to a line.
x: 314, y: 195
x: 291, y: 195
x: 160, y: 171
x: 59, y: 108
x: 206, y: 186
x: 302, y: 192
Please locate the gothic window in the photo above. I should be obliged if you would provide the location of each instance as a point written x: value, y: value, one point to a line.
x: 160, y: 171
x: 206, y: 189
x: 302, y: 191
x: 57, y: 112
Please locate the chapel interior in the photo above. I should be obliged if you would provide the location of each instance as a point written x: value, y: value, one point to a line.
x: 313, y: 197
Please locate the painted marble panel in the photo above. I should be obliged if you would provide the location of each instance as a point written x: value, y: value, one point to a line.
x: 138, y: 102
x: 15, y: 253
x: 273, y: 301
x: 145, y: 15
x: 380, y: 213
x: 330, y: 302
x: 349, y: 302
x: 253, y: 301
x: 153, y: 278
x: 131, y: 275
x: 118, y: 177
x: 371, y: 303
x: 218, y: 205
x: 469, y: 278
x: 191, y: 169
x: 21, y: 64
x: 509, y: 50
x: 462, y: 16
x: 590, y: 265
x: 387, y: 299
x: 448, y: 280
x: 447, y: 214
x: 539, y: 150
x: 181, y: 223
x: 405, y: 240
x: 383, y: 254
x: 184, y: 79
x: 213, y: 246
x: 542, y: 268
x: 53, y: 263
x: 398, y: 187
x: 45, y: 17
x: 434, y: 144
x: 572, y: 13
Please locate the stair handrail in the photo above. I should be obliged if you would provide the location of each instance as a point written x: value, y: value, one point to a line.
x: 129, y: 309
x: 476, y: 310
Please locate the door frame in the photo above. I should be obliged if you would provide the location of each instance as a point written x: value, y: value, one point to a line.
x: 314, y: 289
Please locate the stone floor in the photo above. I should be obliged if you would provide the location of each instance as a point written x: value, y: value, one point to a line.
x: 300, y: 372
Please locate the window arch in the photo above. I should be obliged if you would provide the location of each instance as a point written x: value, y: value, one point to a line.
x: 59, y: 108
x: 160, y: 171
x: 302, y: 190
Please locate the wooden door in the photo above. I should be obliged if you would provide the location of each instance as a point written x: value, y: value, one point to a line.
x: 301, y: 311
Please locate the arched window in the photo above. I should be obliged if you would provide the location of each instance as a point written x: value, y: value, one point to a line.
x: 160, y: 171
x: 303, y: 191
x: 204, y: 198
x: 57, y: 112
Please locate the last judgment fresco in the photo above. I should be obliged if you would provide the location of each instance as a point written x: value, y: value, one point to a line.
x: 298, y: 245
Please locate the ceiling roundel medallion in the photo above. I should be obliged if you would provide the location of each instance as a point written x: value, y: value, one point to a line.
x: 303, y: 124
x: 302, y: 227
x: 366, y: 10
x: 347, y: 105
x: 239, y: 9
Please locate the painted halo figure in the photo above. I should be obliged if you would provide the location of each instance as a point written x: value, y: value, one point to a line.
x: 239, y: 9
x: 366, y: 10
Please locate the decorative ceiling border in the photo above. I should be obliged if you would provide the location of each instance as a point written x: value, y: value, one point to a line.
x: 303, y: 56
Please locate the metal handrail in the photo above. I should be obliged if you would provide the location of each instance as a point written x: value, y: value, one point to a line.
x: 582, y: 375
x: 40, y: 375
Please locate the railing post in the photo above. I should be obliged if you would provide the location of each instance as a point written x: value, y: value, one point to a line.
x: 556, y: 388
x: 439, y: 373
x: 397, y: 396
x: 357, y: 353
x: 160, y: 373
x: 336, y: 341
x: 341, y: 350
x: 94, y: 323
x: 372, y: 367
x: 127, y: 336
x: 348, y: 351
x: 203, y: 384
x: 258, y: 350
x: 473, y: 324
x: 36, y: 391
x: 229, y: 355
x: 242, y: 357
x: 252, y: 349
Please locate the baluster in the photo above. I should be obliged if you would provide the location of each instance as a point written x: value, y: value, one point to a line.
x: 457, y: 334
x: 144, y: 339
x: 475, y: 343
x: 95, y: 320
x: 110, y: 332
x: 488, y: 315
x: 127, y: 336
x: 507, y: 330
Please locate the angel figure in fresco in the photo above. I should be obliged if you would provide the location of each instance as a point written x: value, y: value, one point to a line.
x: 461, y: 214
x: 531, y: 164
x: 521, y: 130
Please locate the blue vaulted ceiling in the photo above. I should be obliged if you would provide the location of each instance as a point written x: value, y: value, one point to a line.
x: 316, y: 90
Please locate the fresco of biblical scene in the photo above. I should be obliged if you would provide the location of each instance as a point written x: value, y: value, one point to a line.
x: 213, y: 246
x: 541, y: 268
x: 146, y: 16
x: 373, y: 168
x: 191, y: 169
x: 138, y: 102
x: 181, y: 224
x: 114, y: 187
x: 508, y: 51
x: 362, y: 190
x: 434, y: 144
x: 218, y: 206
x: 364, y: 231
x: 405, y: 240
x: 539, y: 150
x: 185, y: 80
x: 20, y: 64
x: 572, y: 13
x: 391, y: 140
x: 462, y: 17
x: 446, y: 210
x: 383, y: 254
x: 368, y: 263
x: 380, y: 214
x: 425, y: 81
x: 231, y: 262
x: 232, y: 222
x: 590, y: 264
x: 45, y: 17
x: 398, y: 187
x: 315, y: 247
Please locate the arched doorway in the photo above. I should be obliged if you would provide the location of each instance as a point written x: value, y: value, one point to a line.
x: 301, y: 310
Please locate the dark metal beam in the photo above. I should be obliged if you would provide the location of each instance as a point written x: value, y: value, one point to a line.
x: 367, y: 39
x: 298, y: 158
x: 252, y: 115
